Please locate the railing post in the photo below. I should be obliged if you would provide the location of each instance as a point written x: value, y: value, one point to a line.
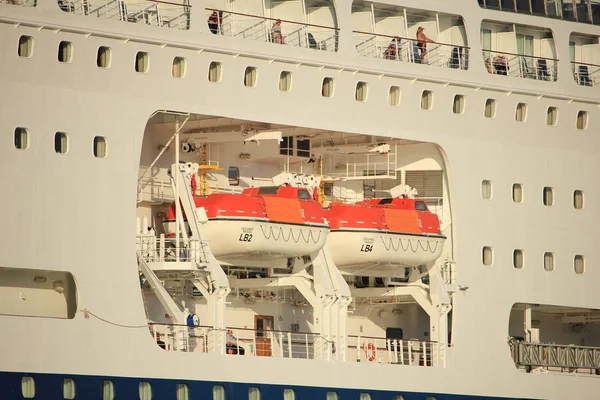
x: 289, y: 340
x: 306, y: 343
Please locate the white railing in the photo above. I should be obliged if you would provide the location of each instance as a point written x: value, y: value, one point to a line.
x: 160, y: 190
x: 521, y: 65
x: 408, y: 50
x: 163, y: 249
x: 564, y: 358
x: 256, y: 27
x: 24, y: 3
x: 392, y: 351
x: 157, y: 13
x: 586, y: 74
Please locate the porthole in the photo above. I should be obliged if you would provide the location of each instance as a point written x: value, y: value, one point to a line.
x: 360, y: 94
x: 578, y: 199
x: 142, y: 61
x: 458, y: 105
x: 517, y: 193
x: 145, y: 391
x: 398, y: 397
x: 178, y: 68
x: 365, y: 396
x: 490, y: 108
x: 182, y: 392
x: 327, y: 87
x: 582, y: 120
x: 394, y: 96
x: 108, y: 390
x: 65, y: 52
x: 551, y: 116
x: 487, y: 255
x: 579, y: 264
x: 103, y: 58
x: 285, y: 81
x: 214, y: 71
x: 518, y: 259
x: 99, y: 147
x: 486, y: 189
x: 250, y: 75
x: 426, y: 100
x: 253, y: 393
x: 68, y: 388
x: 521, y: 112
x: 218, y: 392
x: 61, y: 143
x: 28, y: 387
x: 331, y: 396
x: 549, y: 261
x: 548, y: 196
x: 21, y: 138
x: 289, y: 394
x: 25, y: 48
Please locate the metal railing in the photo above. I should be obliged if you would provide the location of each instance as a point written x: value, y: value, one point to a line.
x: 563, y: 358
x: 398, y: 48
x: 585, y: 74
x: 23, y: 3
x: 255, y: 27
x: 521, y: 65
x: 155, y: 190
x: 150, y: 12
x: 163, y: 249
x: 286, y: 344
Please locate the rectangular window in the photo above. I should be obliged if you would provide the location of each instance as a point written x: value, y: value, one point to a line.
x: 578, y: 199
x: 25, y: 46
x: 108, y: 390
x: 100, y: 146
x: 253, y: 393
x: 233, y: 176
x: 178, y: 68
x: 486, y: 189
x: 145, y: 391
x: 490, y: 108
x: 361, y: 91
x: 28, y: 387
x: 517, y: 193
x: 327, y: 87
x: 394, y: 96
x: 21, y: 138
x: 141, y: 62
x: 487, y: 255
x: 518, y: 259
x: 286, y: 146
x: 331, y: 396
x: 61, y: 143
x: 68, y: 388
x: 250, y: 76
x: 582, y: 120
x: 218, y: 392
x: 426, y: 100
x: 214, y: 72
x: 579, y: 264
x: 549, y: 261
x: 65, y: 52
x: 303, y: 148
x: 182, y: 392
x: 486, y: 42
x: 103, y: 57
x: 548, y: 195
x: 458, y: 106
x: 551, y: 116
x: 285, y: 81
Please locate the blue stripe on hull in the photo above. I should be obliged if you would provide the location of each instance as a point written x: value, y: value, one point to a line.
x: 50, y: 387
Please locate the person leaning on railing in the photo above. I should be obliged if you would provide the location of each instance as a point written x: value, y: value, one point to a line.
x: 422, y: 41
x: 231, y: 344
x: 392, y: 51
x: 214, y: 21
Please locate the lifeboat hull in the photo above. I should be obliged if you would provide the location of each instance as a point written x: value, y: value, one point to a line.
x: 382, y: 253
x: 260, y: 243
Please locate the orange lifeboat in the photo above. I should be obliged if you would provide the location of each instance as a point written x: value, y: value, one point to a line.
x: 382, y: 237
x: 262, y: 227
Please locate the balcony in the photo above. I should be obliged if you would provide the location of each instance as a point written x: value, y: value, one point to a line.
x: 585, y: 74
x: 521, y: 65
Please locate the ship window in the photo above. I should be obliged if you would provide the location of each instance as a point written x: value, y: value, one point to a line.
x: 303, y: 148
x: 65, y: 52
x: 518, y: 259
x: 253, y: 393
x: 551, y: 116
x: 285, y: 81
x: 490, y: 108
x: 431, y: 398
x: 218, y: 392
x: 420, y: 206
x: 108, y: 390
x: 426, y: 100
x: 214, y: 71
x: 289, y: 394
x: 487, y: 255
x: 61, y: 143
x: 142, y: 60
x: 286, y: 146
x: 182, y: 392
x: 21, y: 138
x: 233, y: 176
x: 68, y: 388
x: 331, y: 396
x: 303, y: 194
x: 394, y: 96
x: 486, y: 189
x: 521, y: 112
x: 328, y: 188
x: 250, y: 76
x: 179, y: 67
x: 365, y: 396
x: 398, y: 397
x: 582, y: 120
x: 100, y: 146
x: 327, y: 87
x: 25, y: 48
x: 549, y: 261
x: 578, y: 199
x: 517, y: 193
x: 548, y: 195
x: 145, y: 391
x: 579, y: 264
x: 387, y: 200
x: 360, y: 93
x: 458, y: 106
x: 28, y: 387
x: 268, y: 190
x: 104, y: 57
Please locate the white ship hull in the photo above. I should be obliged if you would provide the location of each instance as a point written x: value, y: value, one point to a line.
x: 382, y: 254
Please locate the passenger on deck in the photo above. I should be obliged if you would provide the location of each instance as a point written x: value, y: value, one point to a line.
x: 393, y: 50
x: 214, y: 21
x: 276, y: 32
x: 500, y: 65
x: 422, y: 40
x: 231, y: 344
